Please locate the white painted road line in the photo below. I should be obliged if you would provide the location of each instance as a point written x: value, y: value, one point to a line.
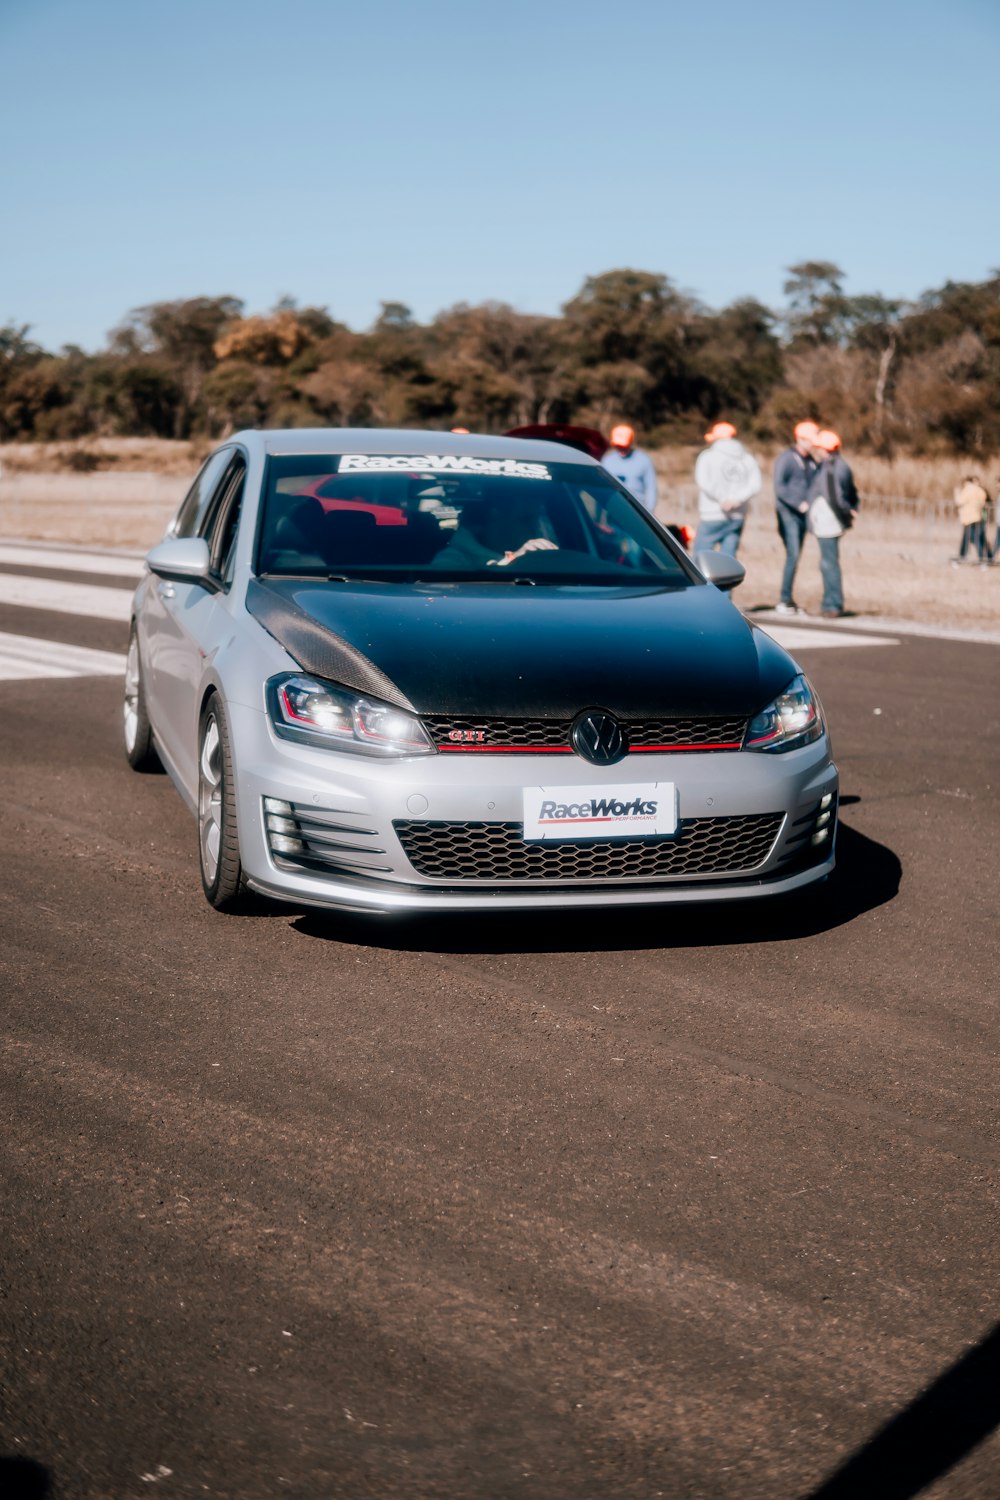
x: 23, y: 658
x: 803, y: 640
x: 89, y: 599
x: 71, y: 562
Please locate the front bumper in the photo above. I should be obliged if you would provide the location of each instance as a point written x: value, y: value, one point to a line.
x: 333, y: 829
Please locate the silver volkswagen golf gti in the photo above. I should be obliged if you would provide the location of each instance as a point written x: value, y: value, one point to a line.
x: 411, y: 671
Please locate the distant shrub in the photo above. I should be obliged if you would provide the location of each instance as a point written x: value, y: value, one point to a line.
x: 82, y: 462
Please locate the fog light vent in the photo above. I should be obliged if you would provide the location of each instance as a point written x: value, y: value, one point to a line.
x: 276, y: 805
x: 281, y: 825
x: 282, y: 845
x: 321, y: 840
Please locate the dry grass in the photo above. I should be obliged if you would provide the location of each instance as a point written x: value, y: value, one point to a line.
x: 929, y: 479
x: 127, y: 455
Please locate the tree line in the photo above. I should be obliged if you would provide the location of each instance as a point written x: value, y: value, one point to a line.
x: 922, y: 376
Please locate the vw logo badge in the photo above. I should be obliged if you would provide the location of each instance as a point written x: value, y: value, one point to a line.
x: 599, y: 738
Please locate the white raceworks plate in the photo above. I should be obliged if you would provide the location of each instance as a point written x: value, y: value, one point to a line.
x: 635, y: 810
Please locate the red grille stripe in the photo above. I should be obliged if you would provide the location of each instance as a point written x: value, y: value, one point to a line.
x: 568, y: 749
x: 507, y: 749
x: 641, y: 749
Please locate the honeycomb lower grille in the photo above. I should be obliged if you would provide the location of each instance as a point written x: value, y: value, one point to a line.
x: 471, y: 734
x: 498, y: 851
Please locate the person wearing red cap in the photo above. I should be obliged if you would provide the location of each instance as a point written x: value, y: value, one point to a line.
x: 793, y: 474
x: 631, y: 466
x: 727, y: 477
x: 833, y: 503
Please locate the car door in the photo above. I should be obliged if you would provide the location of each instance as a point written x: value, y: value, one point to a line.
x: 190, y: 621
x: 155, y: 626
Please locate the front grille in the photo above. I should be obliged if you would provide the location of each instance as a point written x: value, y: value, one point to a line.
x: 508, y: 735
x: 498, y: 851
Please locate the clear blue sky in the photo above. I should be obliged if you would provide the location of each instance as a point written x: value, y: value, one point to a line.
x: 453, y: 151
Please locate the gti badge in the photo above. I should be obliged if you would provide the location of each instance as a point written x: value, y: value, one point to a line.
x: 467, y: 736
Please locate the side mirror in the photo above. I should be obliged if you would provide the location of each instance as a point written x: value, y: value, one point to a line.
x: 182, y: 557
x: 725, y: 572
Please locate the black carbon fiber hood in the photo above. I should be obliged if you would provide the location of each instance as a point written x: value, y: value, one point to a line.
x: 513, y: 651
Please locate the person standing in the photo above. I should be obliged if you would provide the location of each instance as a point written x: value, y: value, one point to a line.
x: 972, y: 501
x: 833, y: 504
x: 631, y: 466
x: 793, y: 475
x: 727, y: 477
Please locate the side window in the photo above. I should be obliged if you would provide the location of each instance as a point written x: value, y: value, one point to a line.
x: 224, y: 521
x: 194, y: 506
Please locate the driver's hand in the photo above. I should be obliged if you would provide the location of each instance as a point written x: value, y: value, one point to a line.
x: 537, y: 544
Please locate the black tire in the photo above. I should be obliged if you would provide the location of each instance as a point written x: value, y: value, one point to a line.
x: 218, y: 839
x: 136, y: 728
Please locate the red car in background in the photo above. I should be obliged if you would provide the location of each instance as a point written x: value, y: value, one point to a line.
x: 585, y: 439
x: 324, y: 490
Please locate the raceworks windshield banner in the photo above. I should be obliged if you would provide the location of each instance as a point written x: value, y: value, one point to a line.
x: 439, y: 463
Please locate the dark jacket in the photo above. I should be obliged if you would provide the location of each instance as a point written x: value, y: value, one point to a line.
x: 466, y: 553
x: 792, y: 477
x: 843, y: 480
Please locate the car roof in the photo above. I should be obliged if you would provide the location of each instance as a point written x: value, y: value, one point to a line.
x: 318, y: 440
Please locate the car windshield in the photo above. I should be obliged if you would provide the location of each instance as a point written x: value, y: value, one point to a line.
x: 446, y: 518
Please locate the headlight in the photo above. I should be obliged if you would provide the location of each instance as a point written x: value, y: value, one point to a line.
x: 794, y: 718
x: 316, y: 713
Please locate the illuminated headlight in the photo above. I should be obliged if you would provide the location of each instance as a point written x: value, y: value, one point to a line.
x: 794, y: 719
x: 317, y: 713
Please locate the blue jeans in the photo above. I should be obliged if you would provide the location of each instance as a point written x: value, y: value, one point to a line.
x: 724, y: 534
x: 829, y: 571
x: 792, y: 527
x: 974, y: 535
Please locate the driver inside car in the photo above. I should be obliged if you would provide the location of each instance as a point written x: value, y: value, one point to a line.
x: 494, y: 532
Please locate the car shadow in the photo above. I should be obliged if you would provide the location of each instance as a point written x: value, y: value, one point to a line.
x: 24, y: 1479
x: 866, y: 877
x: 949, y: 1419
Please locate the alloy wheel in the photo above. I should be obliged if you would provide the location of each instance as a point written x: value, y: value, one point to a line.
x: 210, y: 799
x: 130, y: 708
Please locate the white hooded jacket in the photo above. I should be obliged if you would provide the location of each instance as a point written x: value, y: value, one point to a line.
x: 727, y: 477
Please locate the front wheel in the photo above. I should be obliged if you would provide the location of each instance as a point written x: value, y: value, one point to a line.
x: 136, y: 729
x: 218, y: 840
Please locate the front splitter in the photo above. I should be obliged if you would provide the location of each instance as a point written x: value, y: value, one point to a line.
x: 350, y: 896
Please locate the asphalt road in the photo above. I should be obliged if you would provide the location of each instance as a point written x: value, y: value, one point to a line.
x: 680, y: 1204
